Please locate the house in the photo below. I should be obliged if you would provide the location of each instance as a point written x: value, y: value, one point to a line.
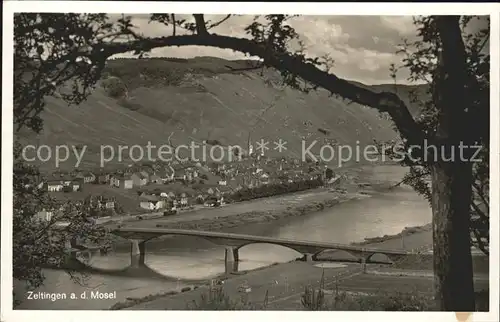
x: 151, y: 203
x: 191, y: 173
x: 103, y: 178
x: 114, y: 180
x: 253, y: 183
x: 146, y: 172
x: 78, y: 175
x: 89, y: 177
x: 179, y: 173
x: 139, y: 179
x: 200, y: 198
x: 210, y: 191
x: 61, y: 182
x: 184, y: 200
x: 108, y: 203
x: 101, y: 202
x: 212, y: 201
x: 66, y: 179
x: 128, y: 171
x: 122, y: 181
x: 169, y: 204
x: 54, y: 185
x: 155, y: 178
x: 44, y: 215
x: 76, y: 185
x: 39, y: 184
x: 224, y: 190
x: 222, y: 183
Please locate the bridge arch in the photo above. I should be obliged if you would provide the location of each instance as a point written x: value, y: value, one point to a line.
x: 380, y: 258
x: 250, y: 243
x: 268, y: 243
x: 338, y: 255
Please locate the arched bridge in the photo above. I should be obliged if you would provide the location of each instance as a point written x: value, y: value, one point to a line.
x: 233, y: 242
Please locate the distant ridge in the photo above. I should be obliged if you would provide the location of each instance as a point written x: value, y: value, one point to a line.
x: 183, y: 100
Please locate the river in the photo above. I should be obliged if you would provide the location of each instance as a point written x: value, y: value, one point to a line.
x: 185, y: 258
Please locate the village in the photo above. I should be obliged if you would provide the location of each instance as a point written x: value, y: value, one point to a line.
x: 178, y: 186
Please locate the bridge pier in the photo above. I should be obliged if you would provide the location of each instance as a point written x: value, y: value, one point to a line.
x: 308, y: 257
x: 137, y: 253
x: 231, y: 259
x: 363, y: 264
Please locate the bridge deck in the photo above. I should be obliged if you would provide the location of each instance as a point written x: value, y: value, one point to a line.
x: 149, y: 233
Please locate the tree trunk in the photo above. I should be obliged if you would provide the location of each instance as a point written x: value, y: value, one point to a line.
x: 452, y: 176
x: 453, y: 276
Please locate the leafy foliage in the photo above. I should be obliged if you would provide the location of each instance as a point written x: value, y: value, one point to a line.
x: 51, y: 61
x: 115, y: 87
x: 217, y: 300
x: 280, y: 38
x: 39, y: 243
x: 421, y: 60
x: 314, y: 299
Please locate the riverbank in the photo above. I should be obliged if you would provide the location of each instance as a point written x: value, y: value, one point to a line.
x: 226, y: 223
x: 238, y: 217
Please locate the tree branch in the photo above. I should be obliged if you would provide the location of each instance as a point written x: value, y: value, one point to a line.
x: 173, y: 24
x: 201, y: 27
x: 244, y: 68
x: 480, y: 194
x: 478, y: 211
x: 485, y: 41
x: 215, y: 24
x: 383, y: 101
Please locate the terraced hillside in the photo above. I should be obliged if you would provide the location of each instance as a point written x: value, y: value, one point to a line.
x: 177, y: 101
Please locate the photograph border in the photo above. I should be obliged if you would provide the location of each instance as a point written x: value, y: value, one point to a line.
x: 129, y: 7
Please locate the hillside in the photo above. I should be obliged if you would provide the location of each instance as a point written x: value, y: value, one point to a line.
x: 202, y: 99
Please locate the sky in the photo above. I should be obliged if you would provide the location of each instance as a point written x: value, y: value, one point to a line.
x: 362, y: 47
